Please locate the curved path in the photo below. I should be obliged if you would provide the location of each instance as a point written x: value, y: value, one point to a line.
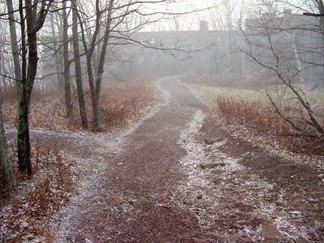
x: 127, y: 202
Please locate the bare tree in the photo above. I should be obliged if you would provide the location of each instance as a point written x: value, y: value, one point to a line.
x: 77, y: 62
x: 96, y: 33
x: 67, y: 63
x: 113, y: 23
x: 31, y: 19
x: 271, y: 42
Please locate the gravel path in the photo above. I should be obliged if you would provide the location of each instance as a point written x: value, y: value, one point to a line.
x: 126, y: 201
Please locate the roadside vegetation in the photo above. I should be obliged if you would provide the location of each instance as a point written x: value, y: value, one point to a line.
x: 122, y: 103
x: 247, y: 110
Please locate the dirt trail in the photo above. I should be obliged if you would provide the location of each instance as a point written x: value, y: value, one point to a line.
x: 126, y: 202
x: 147, y: 185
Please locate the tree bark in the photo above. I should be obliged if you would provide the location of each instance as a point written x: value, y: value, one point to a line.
x: 102, y: 59
x: 23, y: 138
x: 77, y: 62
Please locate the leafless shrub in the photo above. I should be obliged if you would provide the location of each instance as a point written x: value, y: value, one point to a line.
x: 263, y: 118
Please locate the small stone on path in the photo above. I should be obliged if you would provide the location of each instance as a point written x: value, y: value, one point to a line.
x: 165, y: 196
x: 187, y: 202
x: 211, y: 140
x: 238, y: 226
x: 116, y: 200
x: 211, y: 165
x: 270, y: 231
x: 218, y: 208
x: 206, y: 203
x: 321, y: 228
x: 80, y: 237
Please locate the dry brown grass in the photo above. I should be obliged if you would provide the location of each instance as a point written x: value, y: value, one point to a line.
x: 261, y: 118
x: 120, y: 105
x: 239, y: 103
x: 255, y: 115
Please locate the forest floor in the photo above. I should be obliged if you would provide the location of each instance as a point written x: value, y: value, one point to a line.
x: 177, y: 176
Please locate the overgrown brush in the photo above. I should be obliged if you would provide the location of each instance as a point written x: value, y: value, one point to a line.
x: 252, y: 114
x: 262, y: 117
x: 120, y: 105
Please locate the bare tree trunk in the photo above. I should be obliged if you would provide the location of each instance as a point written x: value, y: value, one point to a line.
x: 32, y: 17
x: 103, y: 51
x: 67, y: 86
x: 58, y: 65
x: 102, y: 59
x: 89, y: 55
x: 77, y: 61
x: 23, y: 132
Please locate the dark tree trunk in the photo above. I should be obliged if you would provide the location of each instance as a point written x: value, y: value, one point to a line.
x: 95, y: 83
x: 101, y: 62
x: 23, y: 139
x: 77, y: 61
x: 23, y: 144
x: 30, y: 22
x: 89, y: 55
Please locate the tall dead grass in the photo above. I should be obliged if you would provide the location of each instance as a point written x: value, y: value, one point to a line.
x: 120, y: 105
x: 262, y: 118
x: 252, y: 114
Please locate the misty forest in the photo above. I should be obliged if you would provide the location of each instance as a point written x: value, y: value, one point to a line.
x: 162, y: 121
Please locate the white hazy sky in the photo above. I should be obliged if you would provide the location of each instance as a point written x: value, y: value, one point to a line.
x: 216, y: 17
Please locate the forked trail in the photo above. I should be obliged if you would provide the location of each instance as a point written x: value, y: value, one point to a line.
x: 147, y: 185
x: 127, y: 201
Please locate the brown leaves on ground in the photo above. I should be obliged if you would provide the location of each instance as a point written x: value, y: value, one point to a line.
x: 26, y: 215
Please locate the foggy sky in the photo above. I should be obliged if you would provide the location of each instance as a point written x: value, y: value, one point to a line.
x: 216, y: 16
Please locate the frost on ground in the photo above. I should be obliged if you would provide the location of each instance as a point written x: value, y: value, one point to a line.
x: 98, y: 163
x: 230, y: 201
x: 67, y: 165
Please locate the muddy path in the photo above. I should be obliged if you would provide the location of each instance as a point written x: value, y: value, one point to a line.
x: 148, y: 184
